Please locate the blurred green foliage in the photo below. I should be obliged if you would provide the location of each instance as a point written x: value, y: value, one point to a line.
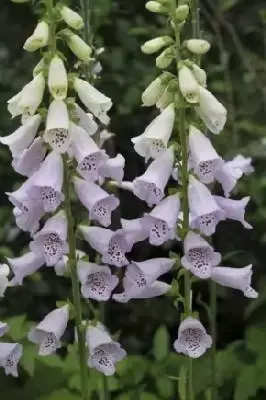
x: 236, y: 68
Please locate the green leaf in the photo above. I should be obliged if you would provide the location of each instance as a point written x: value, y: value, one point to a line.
x: 246, y: 384
x: 165, y: 387
x: 29, y: 358
x: 18, y: 328
x: 226, y: 5
x: 63, y: 394
x: 161, y: 343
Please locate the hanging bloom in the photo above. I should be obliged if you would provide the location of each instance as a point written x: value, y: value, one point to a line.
x: 111, y: 244
x: 98, y: 202
x: 94, y: 100
x: 211, y: 111
x: 155, y: 289
x: 57, y: 127
x: 4, y: 272
x: 23, y: 136
x: 30, y: 159
x: 242, y: 164
x: 104, y: 352
x: 78, y: 47
x: 71, y: 18
x: 113, y: 168
x: 57, y: 79
x: 205, y: 212
x: 24, y: 265
x: 51, y: 240
x: 104, y: 136
x: 12, y: 105
x: 39, y: 38
x: 188, y: 85
x: 153, y: 142
x: 234, y: 209
x: 10, y: 354
x: 198, y: 46
x: 199, y: 74
x: 97, y: 281
x: 161, y: 221
x: 199, y: 257
x: 166, y: 98
x: 88, y: 155
x: 156, y: 44
x: 154, y: 6
x: 165, y: 58
x: 85, y: 120
x: 204, y: 157
x: 192, y: 340
x: 135, y: 228
x: 228, y: 176
x: 31, y: 96
x: 47, y: 183
x: 3, y: 328
x: 235, y: 278
x: 48, y: 332
x: 153, y: 92
x: 150, y: 186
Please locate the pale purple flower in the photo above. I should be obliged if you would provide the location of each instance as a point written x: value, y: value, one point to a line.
x: 48, y: 182
x: 30, y: 159
x: 113, y: 168
x: 88, y: 155
x: 10, y: 354
x: 199, y: 257
x: 85, y: 120
x: 205, y: 212
x: 234, y: 209
x: 151, y: 185
x: 48, y: 332
x: 104, y: 352
x: 203, y: 156
x: 98, y: 202
x: 124, y: 185
x: 235, y: 278
x: 4, y: 283
x: 3, y: 328
x: 135, y: 228
x: 61, y: 266
x: 51, y: 240
x: 193, y: 341
x: 24, y: 265
x: 57, y: 133
x: 242, y: 163
x: 97, y: 281
x: 155, y: 289
x: 161, y: 221
x: 228, y: 176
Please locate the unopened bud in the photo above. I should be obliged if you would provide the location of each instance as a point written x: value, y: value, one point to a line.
x: 153, y: 45
x: 198, y: 46
x: 181, y: 13
x: 165, y: 58
x: 155, y: 7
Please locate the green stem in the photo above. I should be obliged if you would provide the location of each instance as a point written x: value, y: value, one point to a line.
x: 103, y: 392
x: 213, y: 317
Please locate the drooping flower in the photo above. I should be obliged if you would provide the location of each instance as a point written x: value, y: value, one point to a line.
x: 156, y: 44
x: 24, y: 265
x: 228, y: 176
x: 51, y: 240
x: 155, y: 289
x: 199, y: 256
x: 4, y: 272
x: 57, y: 133
x: 150, y: 186
x: 57, y: 79
x: 205, y: 212
x: 204, y: 157
x: 97, y: 281
x: 71, y: 18
x: 78, y: 46
x: 39, y: 38
x: 10, y: 354
x: 198, y: 46
x: 193, y: 340
x: 153, y: 142
x: 88, y: 155
x: 113, y: 168
x: 30, y: 159
x: 104, y: 352
x: 136, y: 228
x: 31, y: 97
x: 3, y: 328
x: 161, y: 221
x: 85, y: 120
x: 235, y: 278
x: 12, y: 105
x: 234, y: 209
x: 48, y: 332
x: 242, y: 163
x: 98, y: 202
x: 199, y: 74
x: 188, y: 85
x: 153, y: 92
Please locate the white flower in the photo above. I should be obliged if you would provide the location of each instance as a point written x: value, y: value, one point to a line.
x: 57, y: 79
x: 153, y: 92
x: 57, y: 127
x: 39, y: 38
x: 198, y: 46
x: 199, y: 74
x: 154, y: 6
x: 153, y: 45
x: 80, y: 48
x: 4, y: 272
x: 188, y: 85
x: 31, y: 96
x: 71, y: 18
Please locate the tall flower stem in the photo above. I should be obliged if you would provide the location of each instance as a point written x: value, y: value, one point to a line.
x: 213, y: 317
x: 103, y: 392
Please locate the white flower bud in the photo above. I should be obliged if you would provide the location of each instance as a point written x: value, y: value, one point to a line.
x: 154, y: 6
x: 181, y: 13
x: 153, y: 45
x: 71, y: 18
x: 81, y: 49
x: 188, y: 85
x: 20, y: 1
x: 31, y: 95
x: 199, y: 74
x: 57, y: 79
x: 198, y: 46
x: 38, y: 67
x: 153, y: 92
x: 165, y: 58
x: 39, y: 38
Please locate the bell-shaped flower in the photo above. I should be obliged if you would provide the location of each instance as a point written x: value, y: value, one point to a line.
x: 198, y: 46
x: 193, y: 341
x: 39, y: 38
x: 57, y: 133
x: 98, y: 202
x: 24, y: 265
x: 85, y: 120
x: 150, y: 186
x: 10, y: 354
x: 153, y: 142
x: 153, y: 92
x: 156, y: 44
x: 188, y: 85
x: 113, y: 168
x: 211, y: 111
x: 88, y: 155
x: 135, y: 228
x: 235, y: 278
x: 161, y: 221
x: 242, y: 164
x: 104, y: 352
x: 199, y: 74
x: 3, y: 328
x: 30, y: 159
x: 204, y: 157
x: 23, y: 136
x: 57, y: 79
x: 12, y: 105
x: 155, y: 289
x: 48, y: 332
x: 112, y: 245
x: 31, y: 96
x: 47, y: 183
x: 205, y: 212
x: 96, y: 102
x: 234, y: 209
x: 51, y: 240
x: 71, y: 18
x: 199, y: 256
x: 97, y: 281
x: 78, y: 47
x: 228, y: 176
x: 4, y: 283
